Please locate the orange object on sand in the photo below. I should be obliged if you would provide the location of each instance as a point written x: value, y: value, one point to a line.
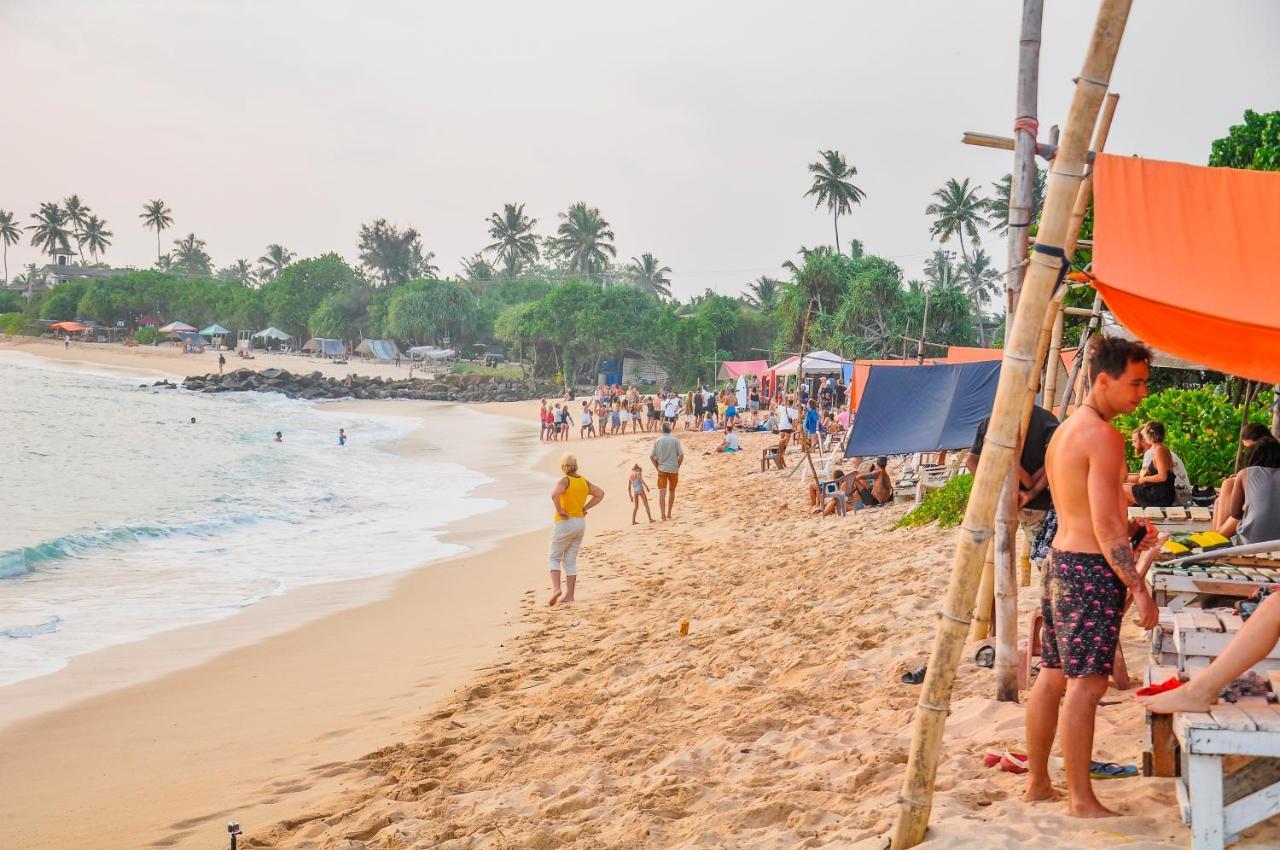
x: 1184, y: 257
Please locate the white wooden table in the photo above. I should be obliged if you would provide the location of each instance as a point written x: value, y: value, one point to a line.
x: 1178, y: 588
x: 1217, y: 806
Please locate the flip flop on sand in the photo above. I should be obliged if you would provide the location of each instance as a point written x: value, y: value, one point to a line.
x: 991, y: 758
x: 1111, y: 770
x: 914, y: 677
x: 985, y: 656
x: 1014, y: 762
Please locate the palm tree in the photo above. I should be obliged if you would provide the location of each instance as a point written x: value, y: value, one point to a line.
x: 189, y: 256
x: 240, y: 270
x: 514, y: 240
x: 10, y: 234
x: 95, y: 236
x: 584, y: 239
x: 158, y: 217
x: 958, y: 212
x: 477, y: 268
x: 77, y: 212
x: 998, y: 204
x: 274, y: 261
x: 981, y: 278
x: 394, y: 254
x: 939, y: 268
x: 649, y: 274
x: 763, y: 294
x: 831, y: 186
x: 50, y: 229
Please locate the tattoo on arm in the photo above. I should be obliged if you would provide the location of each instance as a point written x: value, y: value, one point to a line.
x: 1123, y: 564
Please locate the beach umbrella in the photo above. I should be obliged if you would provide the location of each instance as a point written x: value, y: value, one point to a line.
x: 272, y: 333
x: 174, y: 327
x: 69, y: 327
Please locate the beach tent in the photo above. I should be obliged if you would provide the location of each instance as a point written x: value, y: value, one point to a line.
x: 69, y: 327
x: 1158, y: 358
x: 326, y: 347
x: 923, y: 409
x: 430, y: 352
x: 1182, y: 255
x: 215, y: 330
x: 815, y: 363
x: 272, y: 333
x: 190, y: 340
x: 970, y: 354
x: 731, y: 369
x: 379, y: 349
x: 174, y: 327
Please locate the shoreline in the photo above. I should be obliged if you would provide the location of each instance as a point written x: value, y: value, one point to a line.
x: 282, y: 687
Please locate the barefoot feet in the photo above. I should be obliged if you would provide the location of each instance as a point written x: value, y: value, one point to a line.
x: 1185, y: 698
x: 555, y: 597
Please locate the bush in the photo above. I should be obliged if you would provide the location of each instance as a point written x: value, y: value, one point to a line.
x: 945, y: 505
x: 1202, y: 427
x: 145, y: 336
x: 13, y: 323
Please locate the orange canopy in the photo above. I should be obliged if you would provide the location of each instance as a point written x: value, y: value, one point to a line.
x: 69, y: 327
x: 970, y: 354
x: 1184, y: 257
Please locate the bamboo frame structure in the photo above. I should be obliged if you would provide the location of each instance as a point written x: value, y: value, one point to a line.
x: 1045, y: 267
x: 1022, y: 181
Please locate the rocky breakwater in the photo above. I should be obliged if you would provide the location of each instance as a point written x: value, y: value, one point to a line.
x: 314, y: 385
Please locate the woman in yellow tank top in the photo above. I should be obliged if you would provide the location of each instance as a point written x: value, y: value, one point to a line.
x: 572, y: 497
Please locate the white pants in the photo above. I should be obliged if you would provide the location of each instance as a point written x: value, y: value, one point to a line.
x: 566, y: 540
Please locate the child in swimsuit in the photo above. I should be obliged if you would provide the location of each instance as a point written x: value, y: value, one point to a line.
x: 639, y: 493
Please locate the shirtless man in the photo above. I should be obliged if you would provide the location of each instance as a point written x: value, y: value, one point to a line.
x: 1092, y: 567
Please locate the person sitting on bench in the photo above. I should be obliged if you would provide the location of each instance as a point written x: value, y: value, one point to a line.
x: 1253, y: 515
x: 1250, y: 435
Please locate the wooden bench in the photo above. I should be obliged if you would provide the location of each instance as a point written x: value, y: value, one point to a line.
x: 771, y: 455
x: 1178, y: 587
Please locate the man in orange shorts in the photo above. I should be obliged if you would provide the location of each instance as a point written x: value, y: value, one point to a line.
x: 667, y: 455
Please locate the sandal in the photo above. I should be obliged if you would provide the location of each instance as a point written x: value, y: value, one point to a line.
x: 914, y: 677
x: 1014, y: 762
x: 985, y: 656
x: 1111, y: 770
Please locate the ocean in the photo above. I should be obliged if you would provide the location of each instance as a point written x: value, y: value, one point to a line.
x: 121, y: 519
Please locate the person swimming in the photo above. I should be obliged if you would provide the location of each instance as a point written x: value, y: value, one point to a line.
x: 342, y: 437
x: 279, y: 437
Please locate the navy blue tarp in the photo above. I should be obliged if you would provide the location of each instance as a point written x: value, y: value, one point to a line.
x: 906, y: 409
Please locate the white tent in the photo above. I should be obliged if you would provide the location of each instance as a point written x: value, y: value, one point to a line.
x: 430, y: 352
x: 215, y: 330
x: 174, y: 327
x: 272, y: 333
x: 815, y: 363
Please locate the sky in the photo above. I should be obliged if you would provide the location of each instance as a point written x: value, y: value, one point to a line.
x: 688, y: 124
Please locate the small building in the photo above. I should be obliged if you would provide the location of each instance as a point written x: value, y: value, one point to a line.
x: 62, y: 269
x: 633, y: 368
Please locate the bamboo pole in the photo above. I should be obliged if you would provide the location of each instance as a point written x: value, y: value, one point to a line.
x: 980, y: 629
x: 1052, y: 363
x: 1022, y: 181
x: 997, y: 457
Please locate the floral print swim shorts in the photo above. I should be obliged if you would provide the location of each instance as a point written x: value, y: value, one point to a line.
x: 1082, y: 602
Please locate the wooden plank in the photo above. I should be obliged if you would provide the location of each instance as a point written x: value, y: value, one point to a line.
x: 1184, y: 621
x: 1251, y: 810
x: 1204, y: 781
x: 1201, y: 514
x: 1184, y: 721
x: 1264, y: 716
x: 1226, y: 742
x: 1206, y: 620
x: 1157, y: 673
x: 1232, y: 718
x: 1273, y: 679
x: 1163, y: 749
x: 1195, y: 664
x: 1231, y: 621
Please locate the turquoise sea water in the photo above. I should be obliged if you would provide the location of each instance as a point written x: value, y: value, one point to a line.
x: 120, y: 519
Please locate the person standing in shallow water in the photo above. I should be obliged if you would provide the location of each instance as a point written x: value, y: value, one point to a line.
x: 572, y: 497
x: 1092, y: 567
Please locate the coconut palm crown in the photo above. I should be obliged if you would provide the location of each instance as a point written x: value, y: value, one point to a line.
x: 831, y: 186
x: 514, y: 243
x: 649, y: 274
x: 158, y: 217
x: 584, y: 239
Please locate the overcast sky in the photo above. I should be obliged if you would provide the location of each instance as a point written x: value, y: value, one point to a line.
x: 689, y: 124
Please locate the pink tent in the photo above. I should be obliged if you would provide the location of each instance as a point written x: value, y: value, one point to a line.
x: 733, y: 369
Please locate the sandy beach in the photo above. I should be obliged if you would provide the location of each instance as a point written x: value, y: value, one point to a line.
x: 458, y: 711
